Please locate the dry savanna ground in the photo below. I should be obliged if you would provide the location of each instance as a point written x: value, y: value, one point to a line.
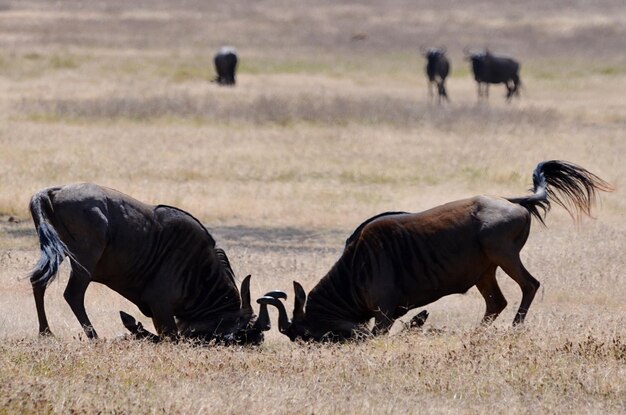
x: 329, y: 123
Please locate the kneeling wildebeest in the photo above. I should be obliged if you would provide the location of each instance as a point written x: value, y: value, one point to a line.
x: 225, y: 65
x: 492, y: 69
x: 160, y: 258
x: 437, y: 69
x: 398, y: 261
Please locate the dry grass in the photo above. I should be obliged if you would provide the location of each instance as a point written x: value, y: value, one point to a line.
x: 320, y: 132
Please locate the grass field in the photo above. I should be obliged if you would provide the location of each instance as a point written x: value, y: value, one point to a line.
x: 321, y: 132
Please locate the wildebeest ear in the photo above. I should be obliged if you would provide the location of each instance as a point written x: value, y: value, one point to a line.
x: 245, y: 295
x: 298, y: 305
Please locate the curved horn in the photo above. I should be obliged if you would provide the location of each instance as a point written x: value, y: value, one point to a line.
x: 423, y: 50
x: 443, y: 49
x: 245, y: 295
x: 263, y: 322
x: 298, y: 305
x: 283, y: 320
x: 277, y: 294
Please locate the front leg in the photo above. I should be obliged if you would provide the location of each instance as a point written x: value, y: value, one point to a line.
x: 383, y: 320
x: 136, y: 328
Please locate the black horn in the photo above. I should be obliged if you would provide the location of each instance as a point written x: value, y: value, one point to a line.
x: 298, y: 305
x: 263, y: 322
x: 245, y: 295
x: 283, y: 320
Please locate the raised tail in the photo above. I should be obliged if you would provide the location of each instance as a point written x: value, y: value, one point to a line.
x: 53, y: 250
x: 570, y: 186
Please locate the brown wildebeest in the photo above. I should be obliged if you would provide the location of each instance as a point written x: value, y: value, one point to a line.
x: 160, y: 258
x: 398, y: 261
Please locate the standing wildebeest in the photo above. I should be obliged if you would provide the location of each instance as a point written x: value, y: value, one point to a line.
x: 492, y: 69
x: 397, y: 261
x: 160, y: 258
x: 437, y: 69
x: 225, y: 61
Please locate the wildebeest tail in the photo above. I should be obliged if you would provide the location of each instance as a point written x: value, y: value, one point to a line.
x: 570, y: 186
x: 53, y: 250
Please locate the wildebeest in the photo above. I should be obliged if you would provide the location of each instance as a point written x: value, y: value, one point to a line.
x: 160, y: 258
x: 398, y: 261
x: 225, y: 61
x: 492, y: 69
x: 437, y: 69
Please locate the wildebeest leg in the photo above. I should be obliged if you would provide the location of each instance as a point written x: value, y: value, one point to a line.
x: 494, y: 300
x: 39, y: 291
x: 163, y: 319
x: 382, y: 324
x: 516, y: 85
x: 430, y: 91
x: 75, y: 296
x: 513, y: 266
x: 443, y: 95
x: 510, y: 91
x: 383, y: 320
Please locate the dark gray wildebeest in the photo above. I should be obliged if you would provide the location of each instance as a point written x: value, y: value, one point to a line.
x: 160, y: 258
x: 398, y: 261
x: 437, y: 69
x: 492, y: 69
x: 225, y: 61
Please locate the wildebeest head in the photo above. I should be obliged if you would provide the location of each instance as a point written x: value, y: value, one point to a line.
x: 300, y: 327
x: 238, y: 327
x: 434, y: 53
x: 225, y: 61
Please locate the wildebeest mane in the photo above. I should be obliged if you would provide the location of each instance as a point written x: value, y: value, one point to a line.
x: 187, y: 214
x: 337, y: 294
x: 358, y: 230
x: 208, y: 290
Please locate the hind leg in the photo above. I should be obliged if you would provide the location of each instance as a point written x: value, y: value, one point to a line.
x: 510, y: 263
x: 529, y: 285
x: 509, y: 92
x: 443, y: 94
x: 494, y: 299
x: 75, y: 296
x: 39, y: 290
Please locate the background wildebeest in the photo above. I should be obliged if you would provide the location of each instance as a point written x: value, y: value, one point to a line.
x: 397, y: 261
x: 225, y: 61
x: 437, y: 69
x: 492, y: 69
x: 158, y: 257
